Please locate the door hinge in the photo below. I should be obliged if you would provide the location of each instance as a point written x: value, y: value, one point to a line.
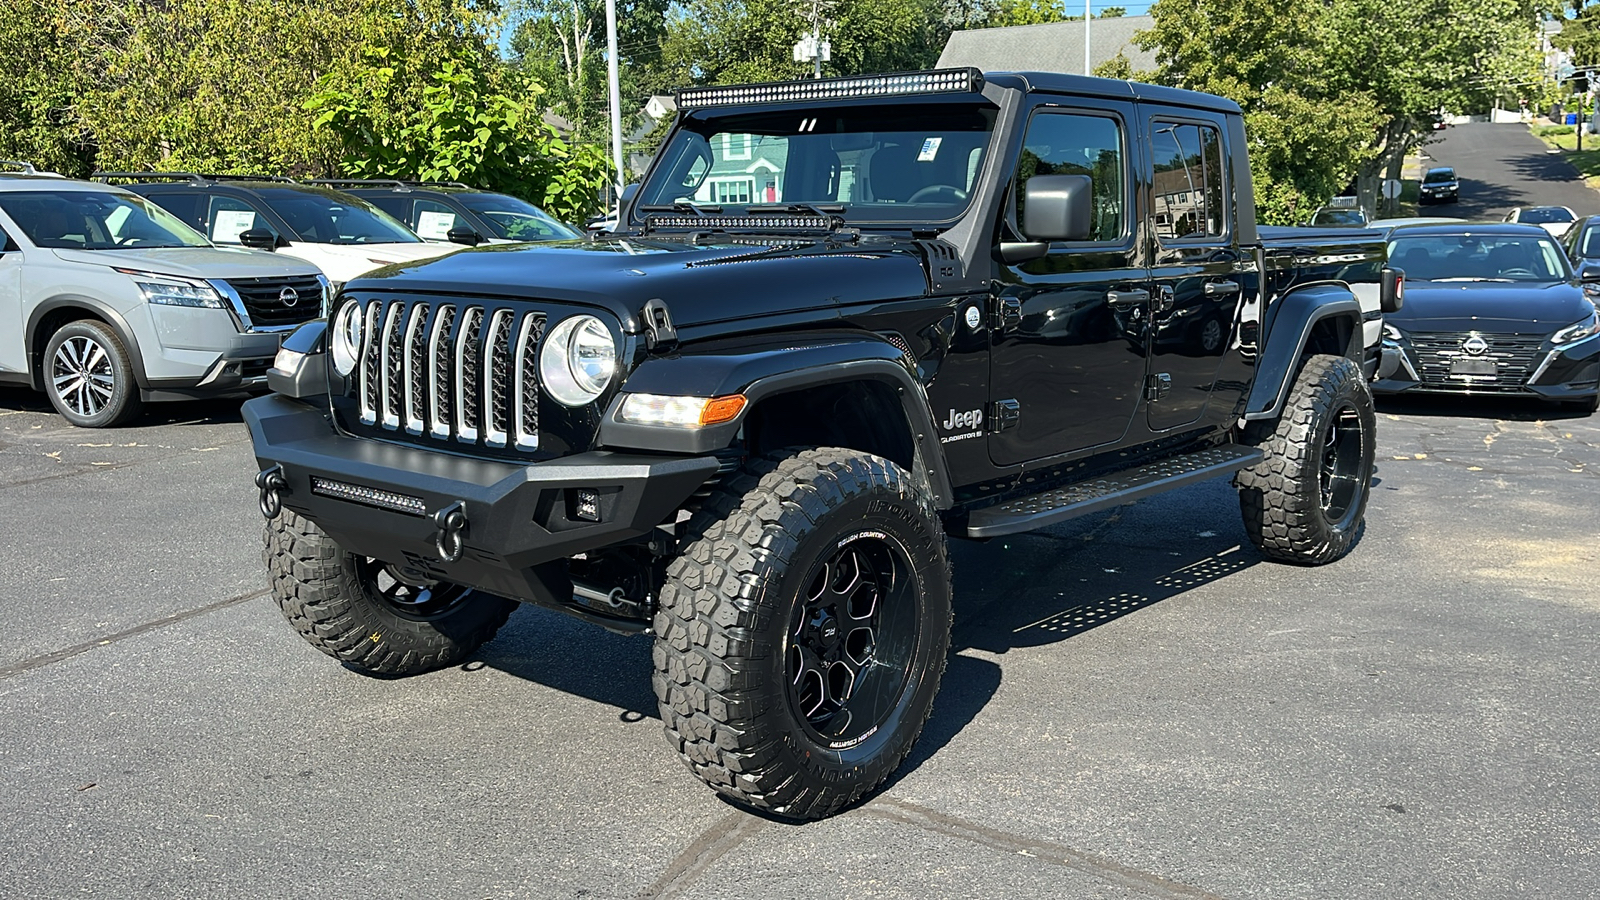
x: 1006, y: 413
x: 1157, y: 386
x: 1008, y: 314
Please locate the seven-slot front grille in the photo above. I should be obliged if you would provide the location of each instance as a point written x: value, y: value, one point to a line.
x: 451, y: 372
x: 279, y: 301
x: 1514, y: 356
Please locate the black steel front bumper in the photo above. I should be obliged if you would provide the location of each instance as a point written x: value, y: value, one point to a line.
x: 518, y: 518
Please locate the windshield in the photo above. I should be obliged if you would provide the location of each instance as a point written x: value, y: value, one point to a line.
x: 330, y: 217
x: 515, y: 219
x: 1478, y: 257
x: 1438, y: 175
x: 1339, y: 217
x: 912, y: 162
x: 1539, y: 215
x: 96, y: 220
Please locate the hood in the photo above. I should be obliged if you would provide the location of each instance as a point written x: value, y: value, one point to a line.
x: 700, y: 283
x: 1490, y: 306
x: 380, y: 254
x: 194, y: 262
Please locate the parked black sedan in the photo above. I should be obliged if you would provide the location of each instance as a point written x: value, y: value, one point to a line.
x: 1492, y: 309
x: 1582, y: 243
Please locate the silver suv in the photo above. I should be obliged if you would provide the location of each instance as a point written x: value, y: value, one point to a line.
x: 109, y: 301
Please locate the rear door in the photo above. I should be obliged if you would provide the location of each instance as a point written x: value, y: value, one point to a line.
x: 13, y: 355
x: 1067, y: 344
x: 1195, y: 266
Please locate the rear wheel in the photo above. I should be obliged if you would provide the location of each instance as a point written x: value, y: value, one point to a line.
x: 372, y: 615
x: 1306, y: 501
x: 89, y: 377
x: 802, y: 633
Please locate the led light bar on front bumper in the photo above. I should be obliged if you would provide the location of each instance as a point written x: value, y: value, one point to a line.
x: 355, y: 493
x: 938, y: 81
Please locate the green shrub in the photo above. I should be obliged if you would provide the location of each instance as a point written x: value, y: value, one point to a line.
x: 1552, y: 130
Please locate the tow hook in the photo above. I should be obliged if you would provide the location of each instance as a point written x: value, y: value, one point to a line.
x: 452, y: 522
x: 271, y: 482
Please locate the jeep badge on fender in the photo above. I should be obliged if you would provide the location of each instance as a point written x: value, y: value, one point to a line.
x: 838, y: 322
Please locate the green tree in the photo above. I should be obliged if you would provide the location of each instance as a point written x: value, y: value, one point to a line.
x: 43, y: 76
x: 562, y: 45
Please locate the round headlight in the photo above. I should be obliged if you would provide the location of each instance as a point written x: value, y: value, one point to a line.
x: 346, y: 339
x: 578, y: 360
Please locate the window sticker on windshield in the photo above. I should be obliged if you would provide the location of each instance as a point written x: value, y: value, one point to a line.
x: 930, y: 149
x: 230, y: 223
x: 435, y: 226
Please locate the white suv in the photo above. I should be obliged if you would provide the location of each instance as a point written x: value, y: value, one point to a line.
x: 108, y: 301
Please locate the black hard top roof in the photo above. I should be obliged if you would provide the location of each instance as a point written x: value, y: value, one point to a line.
x: 1111, y: 88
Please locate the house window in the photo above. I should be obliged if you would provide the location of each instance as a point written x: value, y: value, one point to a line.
x: 736, y: 146
x: 733, y: 190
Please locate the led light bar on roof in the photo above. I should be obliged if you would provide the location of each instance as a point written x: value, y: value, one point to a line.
x: 937, y: 81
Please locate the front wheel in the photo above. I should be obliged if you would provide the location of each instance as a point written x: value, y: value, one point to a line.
x: 802, y: 633
x: 374, y: 616
x: 1306, y: 501
x: 89, y: 376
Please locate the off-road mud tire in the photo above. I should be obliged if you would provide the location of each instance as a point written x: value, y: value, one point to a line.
x: 322, y: 592
x: 723, y: 627
x: 1281, y: 496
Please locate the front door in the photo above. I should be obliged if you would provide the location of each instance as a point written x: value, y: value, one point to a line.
x: 1194, y: 270
x: 1067, y: 343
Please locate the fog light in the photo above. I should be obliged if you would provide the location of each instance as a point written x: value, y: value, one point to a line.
x: 586, y: 505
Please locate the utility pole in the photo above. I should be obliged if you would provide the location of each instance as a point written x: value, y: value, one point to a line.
x: 616, y: 96
x: 1087, y: 16
x: 812, y: 48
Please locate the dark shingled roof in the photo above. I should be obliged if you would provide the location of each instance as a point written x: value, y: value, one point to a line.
x: 1052, y: 47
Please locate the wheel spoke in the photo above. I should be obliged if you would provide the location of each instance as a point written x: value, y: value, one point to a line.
x: 97, y: 354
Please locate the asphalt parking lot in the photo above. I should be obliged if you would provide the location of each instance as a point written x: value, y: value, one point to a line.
x: 1138, y: 705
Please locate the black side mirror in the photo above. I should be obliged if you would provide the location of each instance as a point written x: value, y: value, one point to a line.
x: 461, y: 234
x: 1391, y: 289
x: 259, y: 239
x: 1590, y: 274
x: 1058, y: 208
x: 628, y: 190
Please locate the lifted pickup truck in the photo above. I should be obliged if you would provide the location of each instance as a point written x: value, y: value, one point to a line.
x: 838, y: 321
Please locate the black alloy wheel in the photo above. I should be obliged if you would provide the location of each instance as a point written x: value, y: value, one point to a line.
x: 850, y: 640
x: 408, y: 593
x: 1343, y: 471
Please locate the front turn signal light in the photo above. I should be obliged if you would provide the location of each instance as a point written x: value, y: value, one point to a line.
x: 680, y: 412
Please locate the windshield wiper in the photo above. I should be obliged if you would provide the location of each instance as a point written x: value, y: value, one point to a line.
x: 829, y: 209
x: 683, y: 206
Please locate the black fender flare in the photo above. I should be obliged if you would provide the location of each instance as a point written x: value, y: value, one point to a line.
x: 1290, y: 323
x: 97, y: 309
x: 767, y: 368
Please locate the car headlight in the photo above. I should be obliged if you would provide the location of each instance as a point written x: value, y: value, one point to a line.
x: 578, y: 360
x: 346, y: 339
x: 679, y: 412
x: 1392, y: 333
x: 170, y: 290
x: 1587, y: 328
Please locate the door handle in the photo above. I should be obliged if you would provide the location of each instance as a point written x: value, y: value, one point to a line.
x: 1221, y: 288
x: 1126, y: 299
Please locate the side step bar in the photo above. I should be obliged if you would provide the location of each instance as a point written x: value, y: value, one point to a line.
x: 1061, y: 504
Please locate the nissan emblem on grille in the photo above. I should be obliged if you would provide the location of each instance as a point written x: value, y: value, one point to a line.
x: 1475, y: 345
x: 288, y: 296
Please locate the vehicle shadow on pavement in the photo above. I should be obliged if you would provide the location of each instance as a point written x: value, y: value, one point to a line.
x: 576, y: 658
x: 155, y: 415
x: 1477, y: 407
x: 1479, y: 201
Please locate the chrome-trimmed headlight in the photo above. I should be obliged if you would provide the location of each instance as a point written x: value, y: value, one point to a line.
x: 578, y: 360
x: 345, y: 341
x: 172, y: 290
x: 1578, y: 331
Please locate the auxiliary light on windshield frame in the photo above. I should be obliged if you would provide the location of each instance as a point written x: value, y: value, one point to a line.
x: 937, y: 81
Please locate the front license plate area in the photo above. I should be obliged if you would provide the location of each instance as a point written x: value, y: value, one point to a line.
x: 1473, y: 367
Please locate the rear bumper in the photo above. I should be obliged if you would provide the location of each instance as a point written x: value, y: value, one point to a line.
x: 518, y: 517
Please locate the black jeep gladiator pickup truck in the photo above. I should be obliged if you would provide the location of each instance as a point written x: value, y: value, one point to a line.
x: 838, y: 321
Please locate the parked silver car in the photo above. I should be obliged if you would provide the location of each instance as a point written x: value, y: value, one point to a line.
x: 109, y: 301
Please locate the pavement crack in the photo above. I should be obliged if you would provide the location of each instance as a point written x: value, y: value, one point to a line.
x: 56, y: 656
x: 712, y: 845
x: 1105, y: 869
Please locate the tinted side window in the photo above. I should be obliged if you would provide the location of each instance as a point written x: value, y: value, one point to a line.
x: 1069, y: 144
x: 399, y: 207
x: 433, y: 220
x: 1189, y: 201
x: 229, y: 217
x: 185, y: 205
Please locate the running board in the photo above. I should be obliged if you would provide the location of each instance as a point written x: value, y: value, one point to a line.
x: 1061, y: 504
